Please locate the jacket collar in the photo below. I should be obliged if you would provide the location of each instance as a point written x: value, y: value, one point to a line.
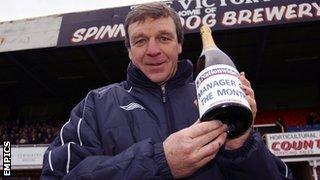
x: 183, y: 75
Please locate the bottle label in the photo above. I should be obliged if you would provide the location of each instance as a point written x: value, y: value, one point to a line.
x: 217, y: 85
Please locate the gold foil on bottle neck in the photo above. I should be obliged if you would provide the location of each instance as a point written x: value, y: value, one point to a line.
x: 207, y: 39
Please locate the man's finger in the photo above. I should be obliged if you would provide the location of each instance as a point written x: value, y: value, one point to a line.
x: 206, y: 138
x: 253, y: 106
x: 199, y: 129
x: 196, y: 103
x: 213, y: 147
x: 247, y: 90
x: 244, y: 80
x: 204, y: 161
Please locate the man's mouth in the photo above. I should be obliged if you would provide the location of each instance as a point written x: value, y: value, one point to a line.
x: 155, y: 64
x: 156, y: 67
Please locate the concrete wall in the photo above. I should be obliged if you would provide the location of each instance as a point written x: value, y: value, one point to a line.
x: 29, y: 33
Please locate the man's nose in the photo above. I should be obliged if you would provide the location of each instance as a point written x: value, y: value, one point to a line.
x: 153, y: 48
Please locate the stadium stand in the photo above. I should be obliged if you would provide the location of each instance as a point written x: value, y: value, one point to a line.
x: 29, y: 133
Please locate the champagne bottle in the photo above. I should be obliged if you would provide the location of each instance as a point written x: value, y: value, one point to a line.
x: 218, y: 88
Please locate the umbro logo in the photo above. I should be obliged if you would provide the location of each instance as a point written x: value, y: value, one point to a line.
x: 132, y: 106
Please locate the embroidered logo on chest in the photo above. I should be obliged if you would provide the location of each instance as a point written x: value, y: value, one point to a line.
x: 132, y: 106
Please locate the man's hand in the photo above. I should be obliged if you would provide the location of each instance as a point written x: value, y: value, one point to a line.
x: 246, y: 87
x: 191, y: 148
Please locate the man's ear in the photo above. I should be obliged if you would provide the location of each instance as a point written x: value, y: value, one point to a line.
x: 180, y: 48
x: 129, y: 53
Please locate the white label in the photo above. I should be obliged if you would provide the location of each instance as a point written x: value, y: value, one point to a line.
x: 219, y: 84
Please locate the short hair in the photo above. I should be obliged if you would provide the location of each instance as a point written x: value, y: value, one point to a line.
x: 153, y: 10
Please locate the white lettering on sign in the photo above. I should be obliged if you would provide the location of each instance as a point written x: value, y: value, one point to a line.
x: 198, y: 4
x: 189, y: 12
x: 294, y: 143
x: 238, y: 2
x: 196, y: 13
x: 289, y: 12
x: 194, y: 21
x: 98, y: 33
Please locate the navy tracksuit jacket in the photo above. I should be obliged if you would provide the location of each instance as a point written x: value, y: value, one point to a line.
x: 117, y: 131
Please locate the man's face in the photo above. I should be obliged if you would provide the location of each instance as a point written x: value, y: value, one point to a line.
x: 154, y: 48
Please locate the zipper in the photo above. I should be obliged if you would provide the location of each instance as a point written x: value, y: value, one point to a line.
x: 168, y: 112
x: 163, y: 89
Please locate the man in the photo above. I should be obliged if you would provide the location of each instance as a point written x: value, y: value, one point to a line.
x: 146, y: 128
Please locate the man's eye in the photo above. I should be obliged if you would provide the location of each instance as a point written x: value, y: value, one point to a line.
x: 164, y: 39
x: 140, y: 42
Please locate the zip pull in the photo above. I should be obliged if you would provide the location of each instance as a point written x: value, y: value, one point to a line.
x: 163, y: 89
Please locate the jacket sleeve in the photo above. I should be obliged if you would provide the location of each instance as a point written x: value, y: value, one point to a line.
x: 252, y: 161
x: 77, y: 154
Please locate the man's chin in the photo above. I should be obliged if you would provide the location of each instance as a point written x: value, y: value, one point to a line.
x: 156, y: 78
x: 160, y: 78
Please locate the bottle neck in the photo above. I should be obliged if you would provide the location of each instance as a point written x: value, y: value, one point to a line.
x: 207, y: 40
